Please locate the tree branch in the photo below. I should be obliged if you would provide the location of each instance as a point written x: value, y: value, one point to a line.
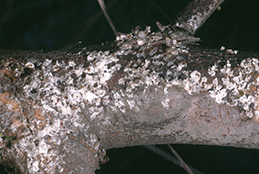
x: 62, y: 109
x: 65, y: 108
x: 195, y: 14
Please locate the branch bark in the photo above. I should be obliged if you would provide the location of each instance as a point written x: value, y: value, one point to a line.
x: 195, y: 14
x: 61, y: 110
x: 65, y: 108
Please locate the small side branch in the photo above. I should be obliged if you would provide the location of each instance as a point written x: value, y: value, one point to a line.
x: 195, y: 14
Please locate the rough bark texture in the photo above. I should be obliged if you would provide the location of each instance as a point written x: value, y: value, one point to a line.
x: 61, y: 110
x: 196, y: 13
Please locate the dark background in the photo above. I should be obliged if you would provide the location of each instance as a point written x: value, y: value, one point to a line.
x: 59, y: 24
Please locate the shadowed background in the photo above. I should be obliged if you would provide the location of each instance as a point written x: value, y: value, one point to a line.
x: 59, y: 24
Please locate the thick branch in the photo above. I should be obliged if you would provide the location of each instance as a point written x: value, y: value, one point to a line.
x: 61, y: 110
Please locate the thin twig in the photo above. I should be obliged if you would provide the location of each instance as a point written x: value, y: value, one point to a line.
x: 182, y: 163
x: 105, y: 12
x: 88, y: 24
x: 169, y: 157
